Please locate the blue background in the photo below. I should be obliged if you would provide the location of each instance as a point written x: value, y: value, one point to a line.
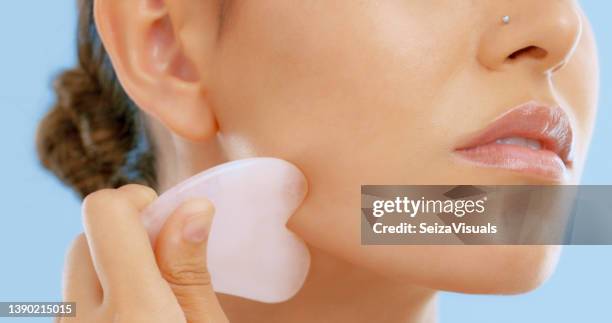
x: 39, y: 218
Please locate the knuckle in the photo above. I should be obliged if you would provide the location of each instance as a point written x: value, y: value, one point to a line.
x: 103, y: 201
x: 98, y: 199
x: 99, y: 195
x: 191, y: 274
x: 139, y: 189
x: 139, y: 196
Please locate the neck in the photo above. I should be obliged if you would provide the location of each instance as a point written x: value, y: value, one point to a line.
x: 336, y: 291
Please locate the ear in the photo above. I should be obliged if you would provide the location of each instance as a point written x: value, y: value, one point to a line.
x: 159, y: 49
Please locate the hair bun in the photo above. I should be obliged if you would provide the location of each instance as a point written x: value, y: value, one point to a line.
x: 92, y: 138
x: 80, y: 139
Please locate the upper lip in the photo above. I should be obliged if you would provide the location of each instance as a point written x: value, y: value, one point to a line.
x: 549, y: 125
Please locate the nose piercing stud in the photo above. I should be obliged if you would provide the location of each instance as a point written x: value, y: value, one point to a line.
x: 506, y: 20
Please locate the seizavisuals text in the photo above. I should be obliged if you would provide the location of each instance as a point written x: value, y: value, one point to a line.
x: 435, y: 228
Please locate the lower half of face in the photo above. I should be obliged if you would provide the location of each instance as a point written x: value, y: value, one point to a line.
x: 371, y: 92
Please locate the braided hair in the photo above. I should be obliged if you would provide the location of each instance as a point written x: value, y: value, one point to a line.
x: 94, y: 136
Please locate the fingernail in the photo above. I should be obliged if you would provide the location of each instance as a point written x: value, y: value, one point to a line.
x: 197, y: 221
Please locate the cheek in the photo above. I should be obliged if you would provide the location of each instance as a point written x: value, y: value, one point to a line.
x: 344, y: 92
x: 329, y: 83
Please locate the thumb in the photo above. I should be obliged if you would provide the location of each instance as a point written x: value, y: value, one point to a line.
x: 181, y: 256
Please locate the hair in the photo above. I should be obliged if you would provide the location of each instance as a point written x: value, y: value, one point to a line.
x: 94, y: 136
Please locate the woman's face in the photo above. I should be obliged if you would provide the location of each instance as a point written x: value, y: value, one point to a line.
x: 385, y: 92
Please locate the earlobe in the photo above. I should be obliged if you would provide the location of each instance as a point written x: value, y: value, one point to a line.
x: 149, y: 58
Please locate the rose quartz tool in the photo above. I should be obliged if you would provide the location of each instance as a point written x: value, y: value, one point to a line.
x: 251, y: 253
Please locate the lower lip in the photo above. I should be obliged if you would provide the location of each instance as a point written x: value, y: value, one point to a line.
x: 541, y: 163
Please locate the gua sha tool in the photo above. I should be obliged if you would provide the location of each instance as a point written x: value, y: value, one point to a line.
x: 250, y: 252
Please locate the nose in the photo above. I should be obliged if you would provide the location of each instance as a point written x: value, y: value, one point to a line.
x: 542, y: 34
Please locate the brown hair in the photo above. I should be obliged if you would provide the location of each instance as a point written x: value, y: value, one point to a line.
x: 94, y: 137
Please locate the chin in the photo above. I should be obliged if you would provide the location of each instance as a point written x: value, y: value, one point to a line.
x: 500, y: 270
x: 508, y: 270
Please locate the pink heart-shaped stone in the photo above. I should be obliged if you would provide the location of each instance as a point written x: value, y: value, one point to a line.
x: 251, y: 253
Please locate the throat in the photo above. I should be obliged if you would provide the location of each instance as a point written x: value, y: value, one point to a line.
x: 336, y: 291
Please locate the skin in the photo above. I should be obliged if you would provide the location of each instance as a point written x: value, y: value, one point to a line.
x: 123, y: 279
x: 356, y: 92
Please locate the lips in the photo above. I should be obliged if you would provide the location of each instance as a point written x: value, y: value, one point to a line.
x: 532, y: 138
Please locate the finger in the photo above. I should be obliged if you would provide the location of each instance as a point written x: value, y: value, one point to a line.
x: 81, y: 283
x: 120, y: 248
x: 141, y: 196
x: 181, y: 257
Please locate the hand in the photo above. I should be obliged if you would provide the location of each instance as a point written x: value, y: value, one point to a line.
x: 114, y: 275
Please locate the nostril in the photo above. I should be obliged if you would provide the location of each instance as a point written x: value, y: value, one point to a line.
x: 529, y: 52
